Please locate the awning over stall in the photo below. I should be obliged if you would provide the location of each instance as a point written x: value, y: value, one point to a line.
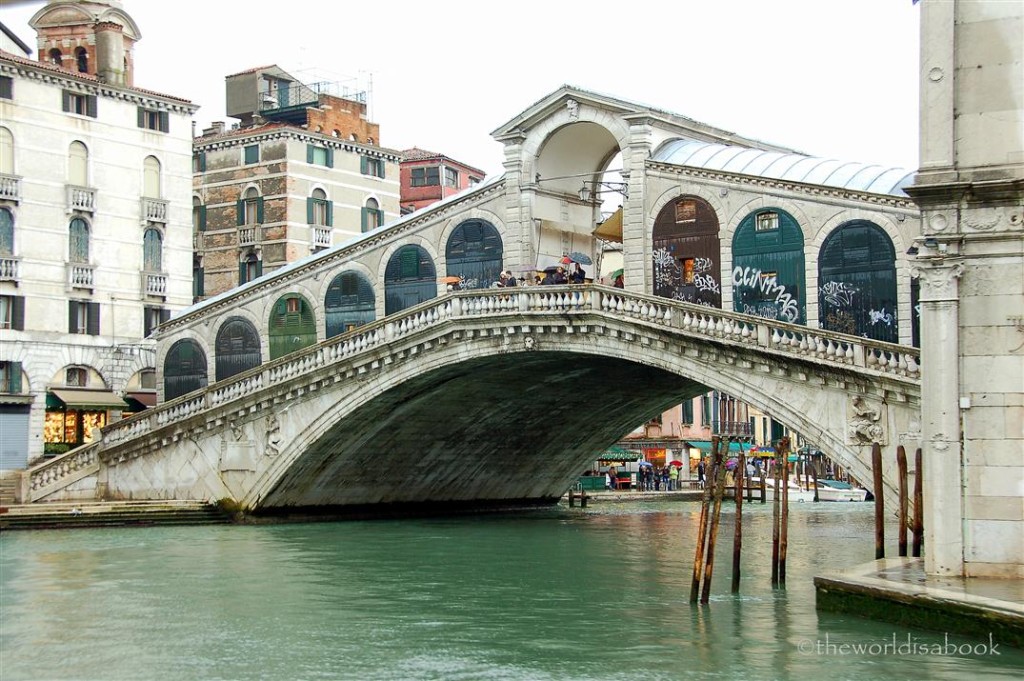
x: 611, y: 229
x: 96, y: 400
x: 705, y: 446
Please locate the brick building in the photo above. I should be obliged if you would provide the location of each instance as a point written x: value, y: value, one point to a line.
x: 428, y: 177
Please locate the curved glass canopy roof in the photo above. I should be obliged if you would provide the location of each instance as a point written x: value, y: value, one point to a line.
x: 783, y: 166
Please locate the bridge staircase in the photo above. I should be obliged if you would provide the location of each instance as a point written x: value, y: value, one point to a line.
x: 57, y: 515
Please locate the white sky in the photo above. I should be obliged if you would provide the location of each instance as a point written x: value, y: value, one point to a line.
x: 834, y: 78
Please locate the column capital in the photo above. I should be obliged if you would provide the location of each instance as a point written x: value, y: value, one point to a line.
x: 938, y: 281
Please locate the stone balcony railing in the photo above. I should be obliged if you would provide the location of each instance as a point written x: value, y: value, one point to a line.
x: 248, y: 235
x: 154, y: 284
x: 542, y: 304
x: 153, y: 210
x: 81, y: 199
x: 8, y: 268
x: 10, y: 187
x: 321, y: 237
x: 81, y: 275
x: 732, y: 428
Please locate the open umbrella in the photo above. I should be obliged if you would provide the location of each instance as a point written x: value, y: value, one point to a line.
x: 677, y: 464
x: 565, y: 260
x: 615, y: 274
x: 581, y: 258
x: 645, y: 464
x: 450, y: 280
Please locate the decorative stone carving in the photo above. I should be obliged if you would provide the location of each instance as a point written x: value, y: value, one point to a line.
x: 913, y: 433
x: 982, y: 219
x: 865, y: 422
x: 274, y: 438
x: 938, y: 222
x: 529, y: 342
x: 574, y: 109
x: 938, y: 282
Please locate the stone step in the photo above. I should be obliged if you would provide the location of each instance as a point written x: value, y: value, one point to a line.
x: 103, y: 515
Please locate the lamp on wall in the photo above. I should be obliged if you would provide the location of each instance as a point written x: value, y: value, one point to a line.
x: 591, y: 190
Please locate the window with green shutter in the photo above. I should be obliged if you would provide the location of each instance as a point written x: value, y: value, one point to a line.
x: 252, y: 154
x: 10, y: 377
x: 6, y: 87
x: 371, y: 166
x: 320, y: 156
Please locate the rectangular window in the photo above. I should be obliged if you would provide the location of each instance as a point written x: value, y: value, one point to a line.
x: 6, y: 87
x: 686, y: 211
x: 12, y: 313
x: 252, y: 154
x: 154, y: 120
x: 687, y: 267
x: 153, y: 317
x: 83, y: 317
x: 426, y: 177
x: 371, y: 166
x: 451, y: 177
x: 705, y: 410
x: 78, y: 103
x: 318, y: 212
x: 319, y: 156
x: 766, y: 222
x: 10, y: 377
x: 688, y: 412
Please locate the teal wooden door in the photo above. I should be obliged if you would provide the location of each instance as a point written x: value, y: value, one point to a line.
x: 292, y: 325
x: 768, y: 267
x: 349, y: 303
x: 474, y: 252
x: 184, y: 369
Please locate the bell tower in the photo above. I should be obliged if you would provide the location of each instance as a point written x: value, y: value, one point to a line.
x: 92, y: 36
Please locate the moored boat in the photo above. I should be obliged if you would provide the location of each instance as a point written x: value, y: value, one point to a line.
x: 796, y: 493
x: 837, y: 490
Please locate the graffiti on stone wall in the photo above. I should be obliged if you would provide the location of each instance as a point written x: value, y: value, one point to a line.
x: 881, y: 317
x: 780, y: 303
x: 838, y: 293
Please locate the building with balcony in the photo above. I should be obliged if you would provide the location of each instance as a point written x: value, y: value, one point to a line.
x: 301, y: 171
x: 428, y: 177
x: 95, y: 237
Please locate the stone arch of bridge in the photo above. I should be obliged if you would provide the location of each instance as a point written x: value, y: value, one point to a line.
x: 697, y: 370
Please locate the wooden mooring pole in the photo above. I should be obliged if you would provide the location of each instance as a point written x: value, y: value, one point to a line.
x: 784, y: 530
x: 918, y: 507
x: 709, y: 560
x: 702, y: 525
x: 776, y: 509
x: 814, y: 477
x: 737, y: 542
x: 901, y: 468
x: 876, y: 469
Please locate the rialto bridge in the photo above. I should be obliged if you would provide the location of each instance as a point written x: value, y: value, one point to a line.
x: 353, y: 378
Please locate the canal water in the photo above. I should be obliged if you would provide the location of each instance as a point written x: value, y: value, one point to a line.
x: 558, y: 594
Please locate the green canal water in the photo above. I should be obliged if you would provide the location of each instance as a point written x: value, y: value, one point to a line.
x: 559, y: 594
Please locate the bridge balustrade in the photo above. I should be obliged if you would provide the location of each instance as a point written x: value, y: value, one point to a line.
x: 775, y: 337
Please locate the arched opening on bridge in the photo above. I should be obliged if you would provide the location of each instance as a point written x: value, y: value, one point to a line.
x: 768, y: 267
x: 687, y: 255
x: 857, y: 282
x: 409, y: 279
x: 184, y: 369
x: 237, y: 348
x: 349, y: 303
x: 474, y: 253
x: 292, y: 325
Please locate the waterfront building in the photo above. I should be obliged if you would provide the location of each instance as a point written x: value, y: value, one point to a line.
x: 95, y: 240
x: 428, y: 177
x: 302, y: 170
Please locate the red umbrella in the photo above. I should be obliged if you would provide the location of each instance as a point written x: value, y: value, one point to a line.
x: 678, y: 464
x: 565, y: 260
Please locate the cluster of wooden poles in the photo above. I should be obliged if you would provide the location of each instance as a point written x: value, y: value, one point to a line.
x: 714, y: 491
x: 912, y: 521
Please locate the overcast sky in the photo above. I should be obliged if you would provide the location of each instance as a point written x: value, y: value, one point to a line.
x: 834, y: 78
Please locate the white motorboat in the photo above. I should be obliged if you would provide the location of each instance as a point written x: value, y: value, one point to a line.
x: 796, y: 493
x: 837, y: 490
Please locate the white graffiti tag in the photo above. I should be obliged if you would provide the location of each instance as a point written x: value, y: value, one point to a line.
x: 880, y: 317
x: 751, y: 277
x: 706, y: 282
x: 838, y: 293
x: 701, y: 265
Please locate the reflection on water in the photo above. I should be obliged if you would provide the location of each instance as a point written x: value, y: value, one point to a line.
x: 600, y: 593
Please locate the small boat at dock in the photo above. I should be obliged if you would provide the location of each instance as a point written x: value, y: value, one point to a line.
x: 837, y: 490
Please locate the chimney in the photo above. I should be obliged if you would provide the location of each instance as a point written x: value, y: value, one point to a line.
x: 110, y: 52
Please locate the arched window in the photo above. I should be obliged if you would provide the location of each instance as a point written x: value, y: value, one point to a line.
x: 184, y: 369
x: 151, y: 178
x: 373, y: 216
x: 6, y: 152
x: 409, y: 279
x: 6, y: 232
x: 82, y: 60
x: 318, y: 209
x: 857, y: 282
x: 78, y: 241
x: 687, y: 262
x: 152, y: 250
x: 249, y: 267
x: 474, y: 253
x: 292, y: 325
x: 56, y: 57
x: 349, y: 303
x: 768, y: 267
x: 237, y: 348
x: 78, y: 165
x: 250, y: 208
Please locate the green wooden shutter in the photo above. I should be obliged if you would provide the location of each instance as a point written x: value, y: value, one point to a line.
x: 93, y: 319
x: 380, y: 167
x: 14, y: 371
x: 72, y: 316
x: 309, y: 153
x: 141, y: 115
x: 380, y: 217
x: 259, y: 210
x: 202, y: 161
x: 363, y: 165
x: 240, y: 207
x: 90, y: 105
x: 202, y: 218
x: 310, y: 206
x: 364, y: 217
x: 241, y: 272
x: 330, y: 157
x: 66, y: 104
x: 6, y: 87
x: 165, y: 122
x: 330, y: 213
x: 259, y: 269
x: 18, y: 313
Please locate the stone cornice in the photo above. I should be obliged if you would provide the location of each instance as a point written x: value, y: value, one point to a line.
x: 136, y: 97
x: 760, y: 184
x: 239, y: 138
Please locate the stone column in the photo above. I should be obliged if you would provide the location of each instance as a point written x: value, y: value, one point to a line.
x: 635, y: 255
x: 940, y: 411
